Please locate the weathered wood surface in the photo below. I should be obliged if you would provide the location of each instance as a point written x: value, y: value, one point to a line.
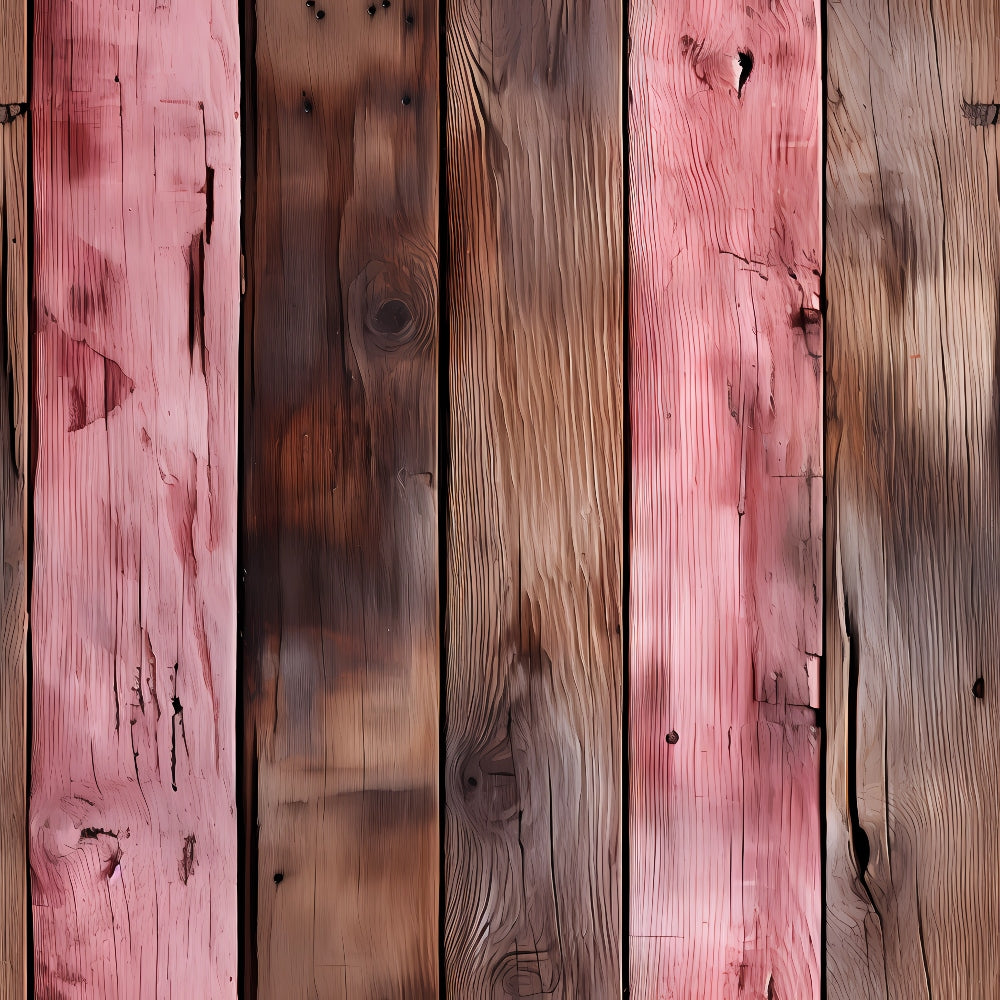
x: 913, y: 258
x: 341, y: 516
x: 132, y: 824
x: 534, y: 684
x: 14, y: 247
x: 725, y: 382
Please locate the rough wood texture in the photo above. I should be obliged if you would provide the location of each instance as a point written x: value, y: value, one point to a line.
x: 136, y: 167
x: 534, y: 696
x: 914, y: 379
x: 13, y: 471
x: 341, y: 524
x: 725, y: 611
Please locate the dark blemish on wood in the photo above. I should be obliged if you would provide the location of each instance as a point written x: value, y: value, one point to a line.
x: 981, y: 115
x: 320, y: 14
x: 406, y: 100
x: 116, y: 78
x: 371, y: 10
x: 176, y: 723
x: 8, y: 112
x: 93, y: 832
x: 209, y: 202
x: 392, y: 317
x: 306, y: 104
x: 472, y: 781
x: 978, y: 688
x: 409, y: 19
x: 186, y: 864
x: 279, y: 877
x: 745, y: 58
x: 672, y: 737
x: 196, y: 298
x: 310, y: 3
x: 386, y: 3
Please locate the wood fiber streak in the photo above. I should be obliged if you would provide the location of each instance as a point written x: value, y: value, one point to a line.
x: 14, y: 246
x: 341, y: 515
x: 132, y: 823
x: 913, y: 691
x: 726, y: 397
x: 534, y: 684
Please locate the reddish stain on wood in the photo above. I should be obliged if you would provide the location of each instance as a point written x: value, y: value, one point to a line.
x: 726, y: 378
x: 132, y: 819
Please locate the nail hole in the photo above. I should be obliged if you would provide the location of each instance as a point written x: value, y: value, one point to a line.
x: 278, y: 878
x: 116, y: 78
x: 307, y: 106
x: 406, y: 100
x: 386, y: 3
x: 320, y: 14
x: 979, y: 688
x: 746, y: 67
x: 310, y: 3
x: 672, y: 737
x: 472, y: 782
x: 409, y: 19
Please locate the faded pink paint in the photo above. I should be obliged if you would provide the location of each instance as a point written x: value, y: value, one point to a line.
x: 132, y: 826
x: 726, y: 384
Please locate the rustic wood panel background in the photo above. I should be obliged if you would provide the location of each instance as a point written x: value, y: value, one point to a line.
x: 14, y: 250
x: 418, y: 421
x: 913, y: 896
x: 136, y: 305
x: 727, y: 466
x: 534, y: 680
x: 340, y: 540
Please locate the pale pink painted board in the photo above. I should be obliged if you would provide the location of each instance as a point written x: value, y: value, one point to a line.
x: 136, y: 173
x: 726, y: 585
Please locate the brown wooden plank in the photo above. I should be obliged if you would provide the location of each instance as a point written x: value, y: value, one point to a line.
x: 727, y: 462
x: 340, y: 538
x: 534, y: 683
x: 136, y: 154
x: 14, y: 247
x: 913, y: 692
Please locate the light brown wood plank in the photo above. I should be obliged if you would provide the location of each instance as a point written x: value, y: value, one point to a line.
x: 913, y: 692
x: 534, y: 599
x: 14, y: 247
x: 340, y: 537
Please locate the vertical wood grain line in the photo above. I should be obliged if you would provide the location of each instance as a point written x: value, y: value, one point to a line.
x: 136, y: 296
x: 725, y: 383
x: 14, y: 289
x: 534, y: 684
x: 913, y: 438
x: 341, y: 656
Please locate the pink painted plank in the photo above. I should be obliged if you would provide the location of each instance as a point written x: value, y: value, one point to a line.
x: 727, y: 461
x: 132, y: 817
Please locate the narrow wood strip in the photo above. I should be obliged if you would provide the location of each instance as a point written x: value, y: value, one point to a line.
x: 136, y: 164
x: 342, y: 659
x: 725, y: 390
x: 913, y: 688
x: 14, y: 246
x: 534, y: 684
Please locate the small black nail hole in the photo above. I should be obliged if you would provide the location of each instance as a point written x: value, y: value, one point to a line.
x: 371, y: 10
x: 320, y: 14
x: 409, y: 19
x: 116, y: 78
x: 386, y: 3
x: 979, y: 688
x: 278, y: 878
x: 746, y: 67
x: 310, y: 3
x: 472, y: 782
x: 406, y: 100
x: 672, y: 737
x: 307, y: 106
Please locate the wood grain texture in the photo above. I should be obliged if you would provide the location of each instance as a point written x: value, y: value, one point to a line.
x: 534, y: 684
x: 132, y: 824
x: 14, y: 246
x: 341, y: 515
x: 914, y: 379
x: 725, y: 382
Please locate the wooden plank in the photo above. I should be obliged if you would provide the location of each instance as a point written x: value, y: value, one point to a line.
x: 341, y: 537
x: 14, y: 245
x: 534, y: 683
x: 132, y: 828
x: 913, y: 272
x: 727, y: 464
